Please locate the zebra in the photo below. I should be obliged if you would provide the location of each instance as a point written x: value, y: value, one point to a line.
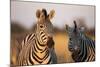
x: 80, y: 45
x: 38, y: 47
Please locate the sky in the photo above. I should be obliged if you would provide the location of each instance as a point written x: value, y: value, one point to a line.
x: 25, y: 13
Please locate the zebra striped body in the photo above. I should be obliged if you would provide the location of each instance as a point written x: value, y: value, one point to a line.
x: 81, y: 46
x: 35, y: 47
x: 86, y: 51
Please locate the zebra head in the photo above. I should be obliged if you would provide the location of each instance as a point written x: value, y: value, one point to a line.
x: 44, y: 29
x: 74, y: 34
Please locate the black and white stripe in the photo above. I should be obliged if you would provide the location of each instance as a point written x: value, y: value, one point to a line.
x: 33, y: 52
x: 81, y: 46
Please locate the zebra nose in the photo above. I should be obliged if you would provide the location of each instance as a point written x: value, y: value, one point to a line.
x: 70, y: 47
x: 75, y: 47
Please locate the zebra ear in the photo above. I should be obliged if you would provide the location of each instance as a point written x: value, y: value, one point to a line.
x: 75, y: 26
x: 67, y: 27
x: 82, y: 29
x: 38, y: 12
x: 44, y: 12
x: 51, y: 14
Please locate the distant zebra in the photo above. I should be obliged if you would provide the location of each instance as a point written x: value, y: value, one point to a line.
x: 81, y: 46
x: 38, y: 47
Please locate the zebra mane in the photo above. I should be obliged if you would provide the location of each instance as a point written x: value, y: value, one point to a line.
x: 75, y: 26
x: 44, y: 12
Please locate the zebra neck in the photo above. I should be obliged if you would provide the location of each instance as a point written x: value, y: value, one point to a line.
x: 42, y: 37
x: 36, y: 57
x: 84, y: 50
x: 41, y: 48
x: 82, y: 54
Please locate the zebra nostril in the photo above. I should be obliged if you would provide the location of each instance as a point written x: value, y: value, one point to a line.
x: 71, y: 49
x: 70, y: 39
x: 41, y: 26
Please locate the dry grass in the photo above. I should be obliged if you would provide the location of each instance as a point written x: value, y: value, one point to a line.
x: 61, y: 48
x: 13, y: 51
